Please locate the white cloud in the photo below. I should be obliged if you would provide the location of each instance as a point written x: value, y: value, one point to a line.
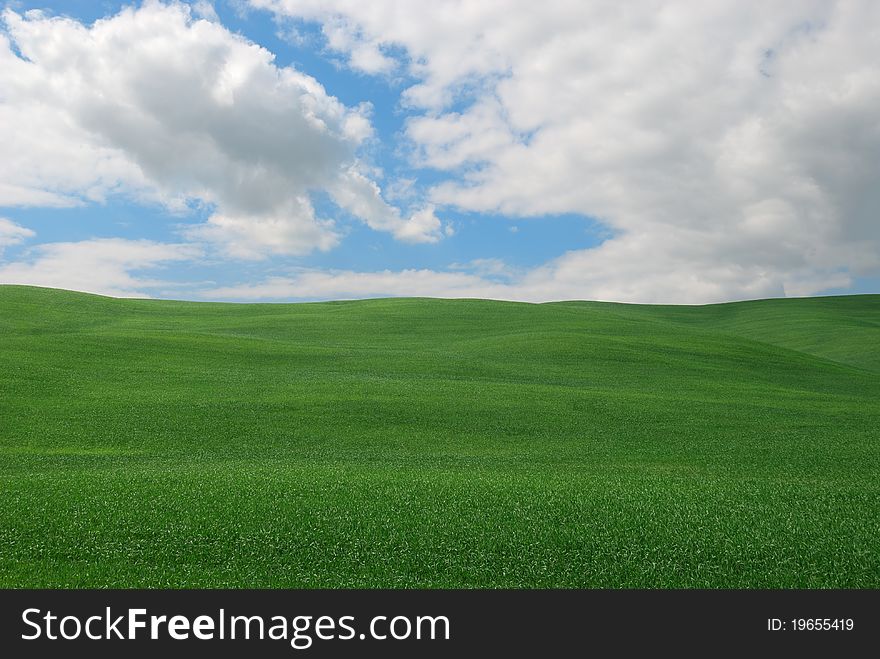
x: 489, y: 268
x: 12, y: 233
x: 156, y: 103
x: 732, y: 148
x: 362, y: 197
x: 205, y: 9
x: 343, y: 284
x: 290, y: 229
x: 107, y: 266
x: 536, y: 286
x: 613, y: 272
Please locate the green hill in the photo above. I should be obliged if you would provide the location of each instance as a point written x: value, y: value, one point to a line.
x: 438, y: 443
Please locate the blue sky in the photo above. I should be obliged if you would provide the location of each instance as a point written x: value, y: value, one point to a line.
x: 438, y: 149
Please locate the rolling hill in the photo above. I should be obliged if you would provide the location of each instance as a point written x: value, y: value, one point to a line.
x: 438, y: 443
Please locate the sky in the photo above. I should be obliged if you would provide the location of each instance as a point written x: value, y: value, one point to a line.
x: 285, y: 150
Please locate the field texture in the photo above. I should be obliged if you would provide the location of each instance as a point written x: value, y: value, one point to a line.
x: 434, y: 443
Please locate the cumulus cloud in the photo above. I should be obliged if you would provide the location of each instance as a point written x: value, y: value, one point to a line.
x: 165, y: 106
x: 292, y: 228
x: 108, y: 266
x: 12, y: 233
x: 731, y: 149
x: 362, y: 197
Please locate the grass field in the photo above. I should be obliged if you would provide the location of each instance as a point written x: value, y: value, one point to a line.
x: 437, y: 443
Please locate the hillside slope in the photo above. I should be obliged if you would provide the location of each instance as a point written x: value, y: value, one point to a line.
x: 453, y: 443
x: 844, y: 328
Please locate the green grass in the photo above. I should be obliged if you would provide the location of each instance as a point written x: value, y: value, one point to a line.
x: 436, y: 443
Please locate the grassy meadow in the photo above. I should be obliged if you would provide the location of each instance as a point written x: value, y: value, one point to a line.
x: 438, y: 443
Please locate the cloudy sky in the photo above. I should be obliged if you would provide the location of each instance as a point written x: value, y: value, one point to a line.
x: 241, y: 150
